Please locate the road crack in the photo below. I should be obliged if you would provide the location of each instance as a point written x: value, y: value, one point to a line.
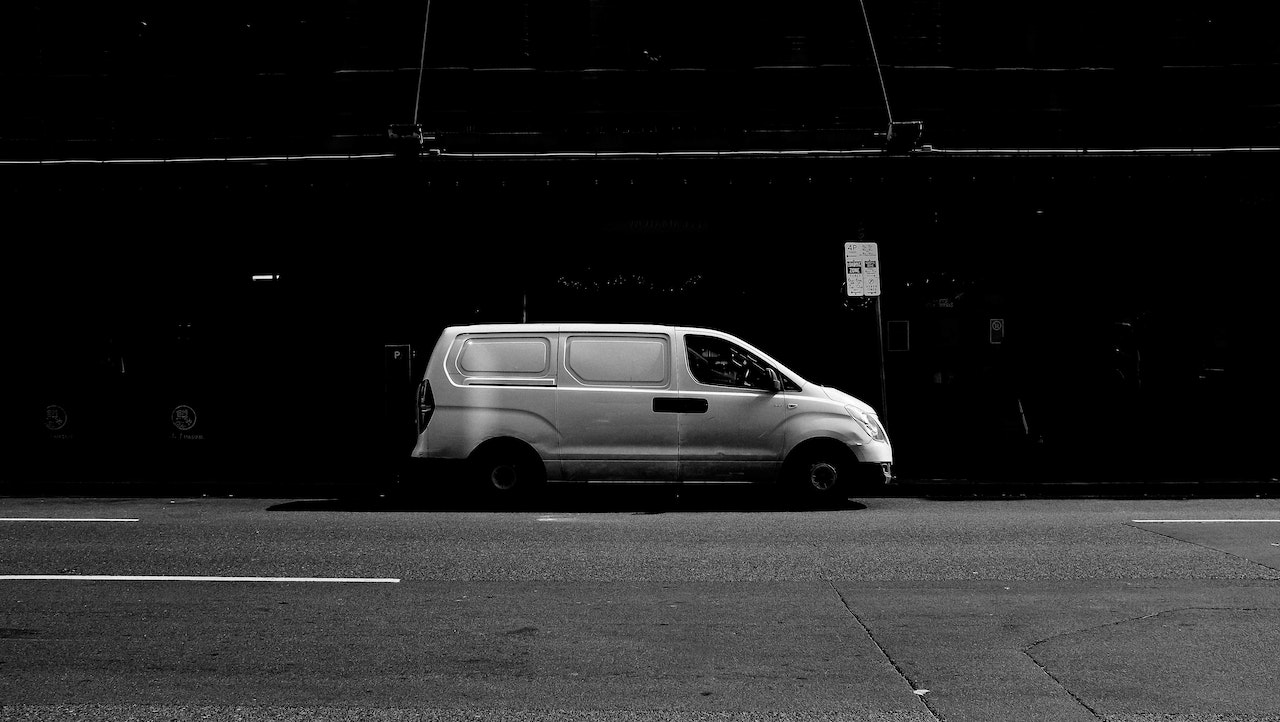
x: 1027, y: 649
x: 1203, y: 546
x: 884, y: 652
x: 1078, y: 700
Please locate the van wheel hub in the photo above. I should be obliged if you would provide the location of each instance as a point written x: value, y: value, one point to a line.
x: 823, y: 476
x: 504, y: 477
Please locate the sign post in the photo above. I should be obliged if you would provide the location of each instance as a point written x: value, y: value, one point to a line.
x: 862, y: 278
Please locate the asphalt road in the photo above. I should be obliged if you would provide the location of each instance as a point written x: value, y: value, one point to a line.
x: 598, y: 605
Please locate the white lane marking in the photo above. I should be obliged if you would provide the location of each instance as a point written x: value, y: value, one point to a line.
x: 110, y: 578
x: 1206, y: 521
x: 554, y: 518
x: 33, y: 518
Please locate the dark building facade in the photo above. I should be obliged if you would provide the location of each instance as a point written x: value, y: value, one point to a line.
x: 1074, y: 251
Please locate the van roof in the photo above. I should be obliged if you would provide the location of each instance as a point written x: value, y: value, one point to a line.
x: 558, y: 327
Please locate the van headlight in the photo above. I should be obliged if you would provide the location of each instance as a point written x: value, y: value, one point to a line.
x: 868, y: 422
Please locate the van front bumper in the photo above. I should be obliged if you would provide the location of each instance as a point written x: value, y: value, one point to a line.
x: 873, y: 472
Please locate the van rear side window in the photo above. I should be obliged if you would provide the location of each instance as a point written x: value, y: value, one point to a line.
x: 505, y: 356
x: 618, y: 360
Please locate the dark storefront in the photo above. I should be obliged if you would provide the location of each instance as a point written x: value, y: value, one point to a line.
x: 1070, y: 287
x: 1044, y: 318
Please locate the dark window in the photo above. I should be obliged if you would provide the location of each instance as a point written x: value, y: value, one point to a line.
x: 717, y: 362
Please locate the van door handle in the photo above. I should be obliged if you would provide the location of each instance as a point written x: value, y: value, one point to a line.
x: 672, y: 405
x: 792, y: 406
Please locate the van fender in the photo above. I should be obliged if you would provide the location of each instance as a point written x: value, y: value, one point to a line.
x: 829, y: 440
x: 515, y: 449
x: 827, y: 421
x: 458, y: 432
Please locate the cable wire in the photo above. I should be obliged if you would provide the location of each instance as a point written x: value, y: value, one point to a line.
x: 421, y: 63
x: 867, y: 21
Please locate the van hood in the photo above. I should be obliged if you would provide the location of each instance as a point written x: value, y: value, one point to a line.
x: 841, y: 397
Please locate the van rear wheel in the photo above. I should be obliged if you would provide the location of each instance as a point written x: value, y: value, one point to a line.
x: 507, y: 473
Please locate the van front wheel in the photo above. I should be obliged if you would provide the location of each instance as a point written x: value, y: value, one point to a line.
x: 819, y: 475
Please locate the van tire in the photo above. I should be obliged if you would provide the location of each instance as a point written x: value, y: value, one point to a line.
x: 507, y: 472
x: 820, y: 475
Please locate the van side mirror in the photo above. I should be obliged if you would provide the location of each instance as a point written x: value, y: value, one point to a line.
x: 775, y: 381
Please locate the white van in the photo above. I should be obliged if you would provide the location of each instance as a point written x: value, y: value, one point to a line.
x: 528, y: 403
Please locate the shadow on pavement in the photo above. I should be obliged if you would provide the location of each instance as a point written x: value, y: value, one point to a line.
x: 581, y: 498
x: 373, y: 491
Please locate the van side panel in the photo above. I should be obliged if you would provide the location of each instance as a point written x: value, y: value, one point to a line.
x: 611, y: 429
x: 493, y: 385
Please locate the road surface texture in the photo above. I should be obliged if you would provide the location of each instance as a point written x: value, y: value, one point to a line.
x: 604, y: 605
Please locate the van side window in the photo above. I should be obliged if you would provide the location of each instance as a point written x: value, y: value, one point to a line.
x: 717, y: 362
x: 505, y: 356
x: 618, y: 360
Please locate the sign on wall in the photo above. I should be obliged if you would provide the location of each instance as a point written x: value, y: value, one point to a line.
x: 862, y: 269
x: 995, y: 330
x: 184, y: 420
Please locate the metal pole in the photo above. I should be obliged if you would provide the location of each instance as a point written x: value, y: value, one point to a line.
x: 884, y: 396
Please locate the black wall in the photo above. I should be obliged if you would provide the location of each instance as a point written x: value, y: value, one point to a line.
x: 148, y: 79
x: 132, y: 295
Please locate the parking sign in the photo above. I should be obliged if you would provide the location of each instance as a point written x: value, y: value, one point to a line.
x: 862, y: 269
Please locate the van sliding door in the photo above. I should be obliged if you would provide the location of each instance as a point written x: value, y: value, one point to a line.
x: 610, y: 408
